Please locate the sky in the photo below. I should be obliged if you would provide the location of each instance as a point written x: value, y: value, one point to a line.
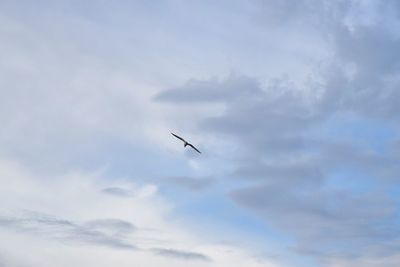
x: 294, y: 105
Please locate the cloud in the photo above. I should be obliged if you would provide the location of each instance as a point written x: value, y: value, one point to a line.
x: 291, y: 145
x: 78, y: 224
x: 103, y: 232
x: 305, y: 126
x: 199, y: 91
x: 117, y: 191
x: 191, y: 183
x: 390, y: 261
x: 181, y: 254
x: 48, y: 84
x: 342, y: 223
x: 279, y: 148
x: 115, y: 226
x: 281, y: 13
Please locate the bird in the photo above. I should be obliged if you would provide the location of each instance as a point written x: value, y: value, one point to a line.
x: 185, y: 143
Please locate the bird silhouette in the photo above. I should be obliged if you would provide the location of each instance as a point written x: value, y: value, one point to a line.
x: 185, y: 143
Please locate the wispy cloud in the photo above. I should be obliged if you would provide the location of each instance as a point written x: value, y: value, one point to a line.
x: 181, y: 254
x: 117, y: 191
x: 190, y: 183
x: 104, y: 232
x: 74, y: 217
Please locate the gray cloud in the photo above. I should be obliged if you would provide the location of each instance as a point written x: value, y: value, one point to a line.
x: 213, y: 90
x: 104, y: 232
x: 191, y: 183
x: 276, y: 128
x: 340, y: 222
x: 181, y: 254
x: 117, y: 191
x: 292, y: 167
x: 116, y: 227
x: 371, y: 52
x: 280, y: 13
x: 283, y: 147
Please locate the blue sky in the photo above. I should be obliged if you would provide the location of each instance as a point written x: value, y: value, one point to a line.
x: 293, y: 104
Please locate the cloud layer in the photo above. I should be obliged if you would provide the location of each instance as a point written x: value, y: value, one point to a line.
x: 80, y: 220
x: 293, y: 104
x: 320, y: 162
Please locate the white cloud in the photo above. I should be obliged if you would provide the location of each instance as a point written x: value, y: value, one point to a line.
x: 70, y: 221
x: 78, y: 78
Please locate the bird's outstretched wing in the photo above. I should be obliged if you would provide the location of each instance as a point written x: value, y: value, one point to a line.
x: 192, y: 146
x: 178, y: 137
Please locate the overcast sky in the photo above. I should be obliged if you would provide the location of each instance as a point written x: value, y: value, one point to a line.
x: 294, y: 104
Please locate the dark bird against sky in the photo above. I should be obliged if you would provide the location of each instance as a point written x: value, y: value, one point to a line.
x: 185, y: 143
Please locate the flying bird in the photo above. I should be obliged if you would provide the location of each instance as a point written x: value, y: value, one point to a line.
x: 185, y: 143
